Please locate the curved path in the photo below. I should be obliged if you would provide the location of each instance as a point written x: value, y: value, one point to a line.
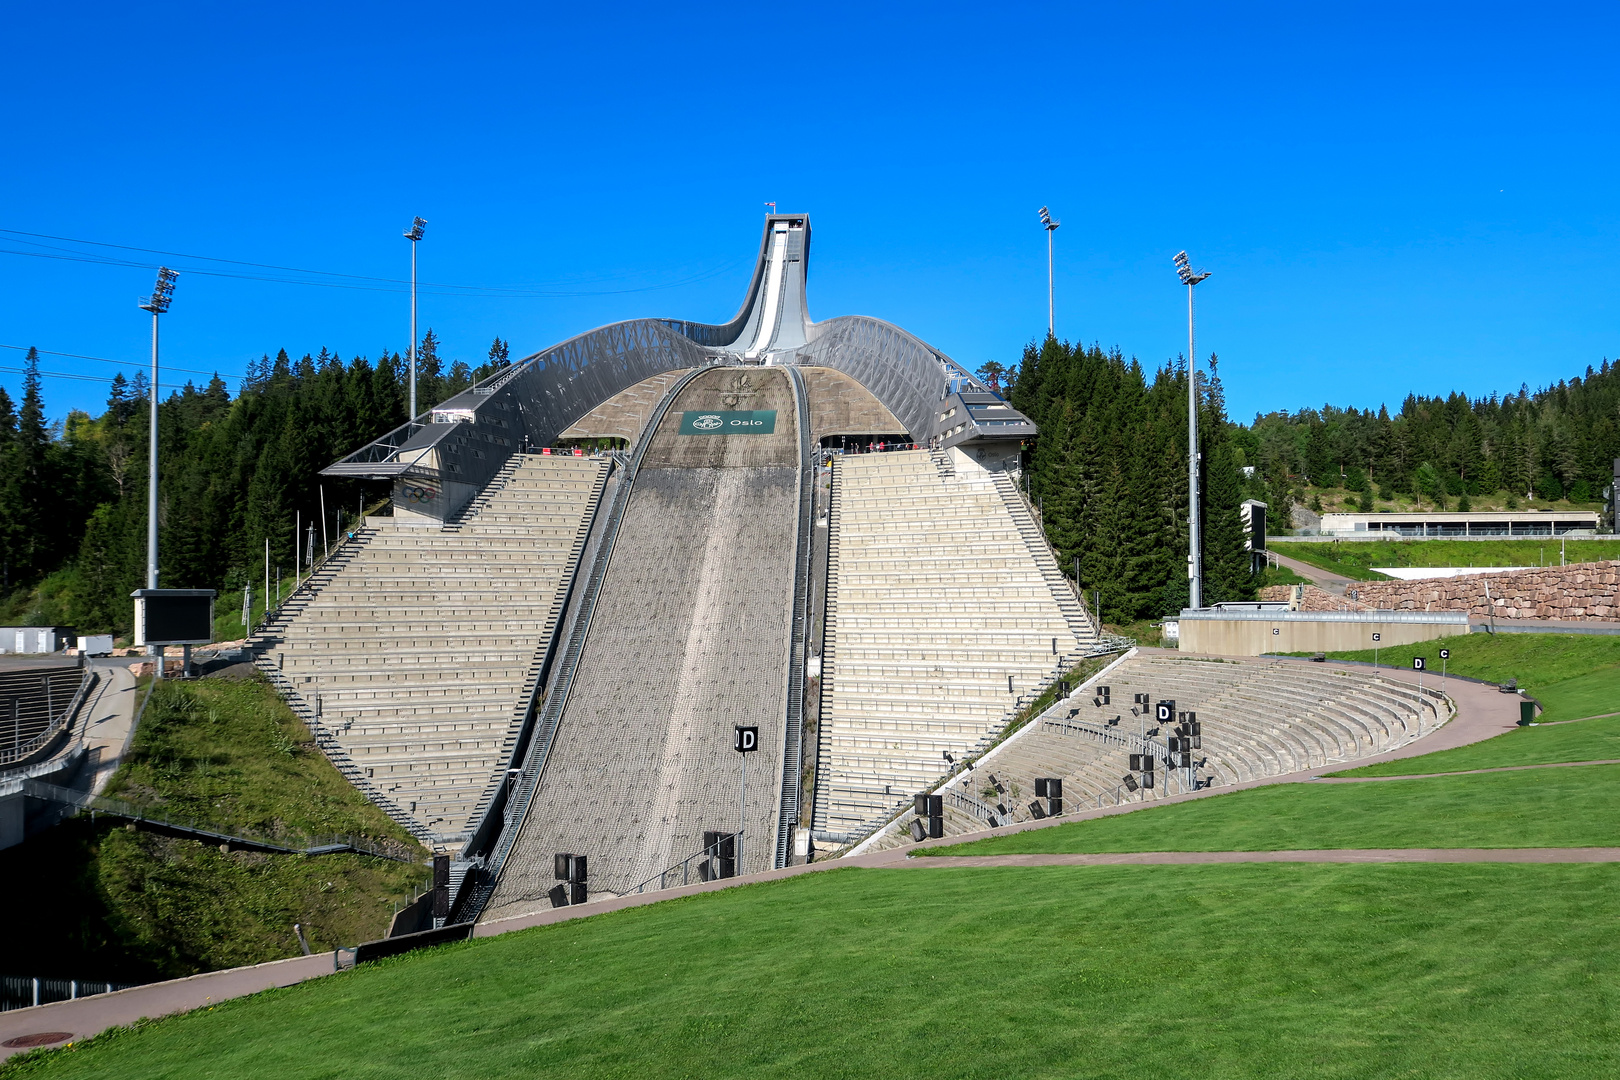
x: 1325, y: 855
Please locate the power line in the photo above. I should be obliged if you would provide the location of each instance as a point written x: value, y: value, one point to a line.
x: 89, y: 378
x: 104, y: 360
x: 350, y: 281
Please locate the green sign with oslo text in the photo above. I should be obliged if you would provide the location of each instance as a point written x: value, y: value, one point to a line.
x: 755, y: 422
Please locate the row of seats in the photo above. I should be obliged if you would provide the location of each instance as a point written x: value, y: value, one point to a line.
x: 417, y: 657
x: 945, y: 611
x: 29, y: 701
x: 1259, y: 718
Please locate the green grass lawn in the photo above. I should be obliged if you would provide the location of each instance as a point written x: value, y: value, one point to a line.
x: 1588, y: 740
x: 1220, y: 972
x: 1575, y: 807
x: 1356, y: 558
x: 109, y: 902
x: 1572, y: 675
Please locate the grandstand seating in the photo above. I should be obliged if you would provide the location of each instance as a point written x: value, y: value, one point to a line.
x: 416, y: 654
x: 29, y: 699
x: 1259, y: 718
x: 939, y: 589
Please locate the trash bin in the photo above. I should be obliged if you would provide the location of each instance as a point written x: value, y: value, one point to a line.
x: 1527, y: 713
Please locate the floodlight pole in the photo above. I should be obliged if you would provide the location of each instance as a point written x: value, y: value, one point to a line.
x: 414, y: 234
x: 1195, y: 585
x: 1195, y: 554
x: 157, y: 304
x: 1051, y: 309
x: 152, y: 468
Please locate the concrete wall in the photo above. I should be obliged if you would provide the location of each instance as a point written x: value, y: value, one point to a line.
x: 1300, y: 632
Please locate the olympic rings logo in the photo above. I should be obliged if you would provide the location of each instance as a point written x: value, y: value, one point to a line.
x: 418, y: 494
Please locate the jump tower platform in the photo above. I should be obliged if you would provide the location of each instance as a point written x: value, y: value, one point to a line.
x: 539, y: 653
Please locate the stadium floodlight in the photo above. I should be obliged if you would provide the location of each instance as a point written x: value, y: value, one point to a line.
x: 1051, y: 227
x: 1195, y: 558
x: 413, y: 234
x: 158, y: 303
x: 162, y: 292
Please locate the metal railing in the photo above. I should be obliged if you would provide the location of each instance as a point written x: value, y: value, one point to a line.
x: 22, y: 992
x: 663, y: 877
x: 291, y: 844
x: 792, y: 734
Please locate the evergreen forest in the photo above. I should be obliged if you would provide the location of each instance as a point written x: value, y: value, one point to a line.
x: 1108, y: 471
x: 234, y: 474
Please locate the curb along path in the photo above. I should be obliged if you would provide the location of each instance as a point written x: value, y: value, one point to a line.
x: 1335, y: 855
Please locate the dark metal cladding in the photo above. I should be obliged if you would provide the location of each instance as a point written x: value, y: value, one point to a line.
x: 445, y: 455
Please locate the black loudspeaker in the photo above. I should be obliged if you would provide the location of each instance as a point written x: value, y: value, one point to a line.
x: 919, y: 804
x: 576, y: 868
x: 576, y: 892
x: 1147, y: 779
x: 1147, y: 764
x: 559, y: 866
x: 936, y: 827
x: 441, y: 871
x: 558, y: 896
x: 1136, y: 763
x: 1102, y: 692
x: 1037, y: 811
x: 1197, y: 742
x: 1130, y: 782
x: 441, y: 901
x: 1054, y: 788
x: 919, y: 831
x: 1054, y: 807
x: 1001, y: 808
x: 1040, y: 787
x: 1174, y: 742
x: 936, y: 806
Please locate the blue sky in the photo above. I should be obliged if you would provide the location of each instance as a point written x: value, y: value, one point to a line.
x: 1391, y: 198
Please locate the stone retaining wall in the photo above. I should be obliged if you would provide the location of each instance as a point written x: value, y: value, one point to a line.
x: 1578, y: 591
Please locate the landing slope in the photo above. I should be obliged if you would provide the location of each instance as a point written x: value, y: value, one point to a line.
x: 691, y: 636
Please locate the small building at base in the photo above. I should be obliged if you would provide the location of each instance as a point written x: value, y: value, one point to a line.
x: 1234, y: 630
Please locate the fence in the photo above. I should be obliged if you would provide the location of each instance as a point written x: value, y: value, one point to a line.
x: 21, y: 992
x: 210, y: 833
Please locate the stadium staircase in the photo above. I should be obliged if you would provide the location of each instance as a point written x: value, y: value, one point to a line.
x: 414, y: 653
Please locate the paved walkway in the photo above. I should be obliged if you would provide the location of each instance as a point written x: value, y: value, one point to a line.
x: 1335, y: 855
x: 1326, y: 580
x: 1462, y: 772
x: 109, y: 721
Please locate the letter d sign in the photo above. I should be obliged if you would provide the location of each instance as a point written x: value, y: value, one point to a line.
x: 747, y: 739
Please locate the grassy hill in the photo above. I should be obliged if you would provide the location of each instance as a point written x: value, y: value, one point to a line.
x: 1222, y: 971
x: 109, y: 902
x: 1228, y: 971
